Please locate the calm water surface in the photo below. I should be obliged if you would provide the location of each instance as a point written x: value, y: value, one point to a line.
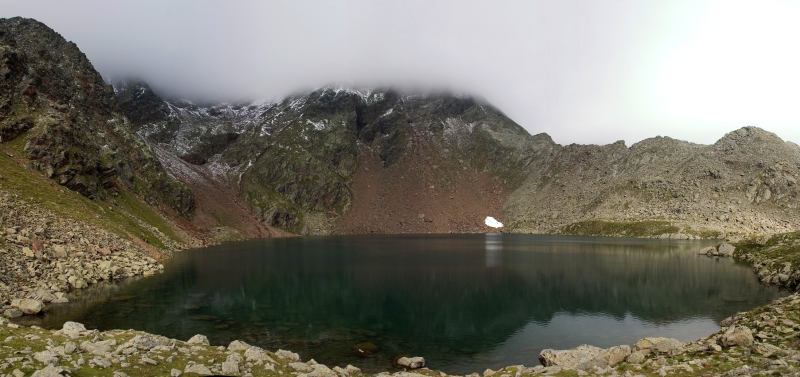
x: 464, y: 302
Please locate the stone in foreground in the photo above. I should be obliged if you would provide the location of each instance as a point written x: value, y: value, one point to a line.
x: 198, y: 369
x: 411, y: 362
x: 13, y: 313
x: 74, y: 330
x: 584, y: 357
x: 736, y: 336
x: 659, y: 345
x: 198, y: 339
x: 28, y: 306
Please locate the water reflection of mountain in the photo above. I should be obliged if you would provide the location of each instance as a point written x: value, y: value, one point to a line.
x: 443, y: 286
x: 463, y: 291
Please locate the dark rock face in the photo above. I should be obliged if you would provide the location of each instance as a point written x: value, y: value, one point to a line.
x: 294, y: 160
x: 75, y: 132
x: 142, y: 106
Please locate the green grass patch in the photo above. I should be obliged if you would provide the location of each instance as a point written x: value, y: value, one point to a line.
x: 781, y: 248
x: 121, y: 215
x: 614, y: 228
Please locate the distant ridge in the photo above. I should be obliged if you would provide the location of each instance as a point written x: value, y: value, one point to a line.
x: 338, y: 160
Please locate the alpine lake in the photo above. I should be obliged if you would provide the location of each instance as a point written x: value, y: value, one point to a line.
x: 463, y: 302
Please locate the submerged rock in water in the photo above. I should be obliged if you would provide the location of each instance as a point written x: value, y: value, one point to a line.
x: 203, y: 317
x: 711, y: 250
x: 366, y: 349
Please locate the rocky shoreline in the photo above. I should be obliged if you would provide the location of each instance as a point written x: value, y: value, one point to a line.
x: 762, y: 341
x: 42, y: 257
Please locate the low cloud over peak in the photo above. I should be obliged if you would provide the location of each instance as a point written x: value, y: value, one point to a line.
x: 585, y: 72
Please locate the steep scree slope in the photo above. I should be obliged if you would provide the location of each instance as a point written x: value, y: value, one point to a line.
x: 744, y: 183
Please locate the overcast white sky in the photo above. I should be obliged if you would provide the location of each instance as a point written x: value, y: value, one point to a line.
x: 582, y: 71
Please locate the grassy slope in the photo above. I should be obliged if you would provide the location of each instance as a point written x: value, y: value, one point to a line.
x: 126, y: 214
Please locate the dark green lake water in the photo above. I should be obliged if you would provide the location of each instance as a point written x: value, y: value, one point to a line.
x: 464, y: 302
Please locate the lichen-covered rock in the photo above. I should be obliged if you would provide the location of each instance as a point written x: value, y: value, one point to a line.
x: 726, y: 250
x: 51, y: 371
x: 584, y: 357
x: 238, y: 345
x: 287, y: 355
x: 28, y: 306
x: 765, y: 349
x: 13, y: 313
x: 736, y: 336
x: 707, y: 251
x: 198, y: 339
x: 636, y: 357
x: 198, y: 369
x: 74, y: 330
x: 230, y: 368
x: 659, y: 345
x: 255, y: 354
x: 617, y: 354
x: 99, y: 348
x: 299, y: 366
x: 145, y: 343
x: 411, y: 362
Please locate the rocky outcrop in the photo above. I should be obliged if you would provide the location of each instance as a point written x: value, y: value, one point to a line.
x: 301, y: 161
x: 74, y: 132
x: 411, y: 362
x: 660, y: 186
x: 584, y: 357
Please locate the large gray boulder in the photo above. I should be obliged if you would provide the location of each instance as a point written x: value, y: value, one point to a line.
x: 99, y: 348
x: 726, y: 250
x: 659, y: 345
x: 28, y: 306
x: 145, y: 343
x: 411, y: 362
x: 287, y: 355
x: 51, y: 371
x: 584, y: 357
x: 238, y: 345
x: 230, y: 368
x: 736, y: 336
x: 255, y: 354
x: 74, y: 330
x: 198, y: 369
x: 198, y: 339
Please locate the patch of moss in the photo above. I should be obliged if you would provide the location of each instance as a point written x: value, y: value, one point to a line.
x: 123, y: 215
x: 780, y: 248
x: 645, y: 228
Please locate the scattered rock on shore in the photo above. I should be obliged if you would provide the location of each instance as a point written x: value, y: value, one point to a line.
x: 411, y: 362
